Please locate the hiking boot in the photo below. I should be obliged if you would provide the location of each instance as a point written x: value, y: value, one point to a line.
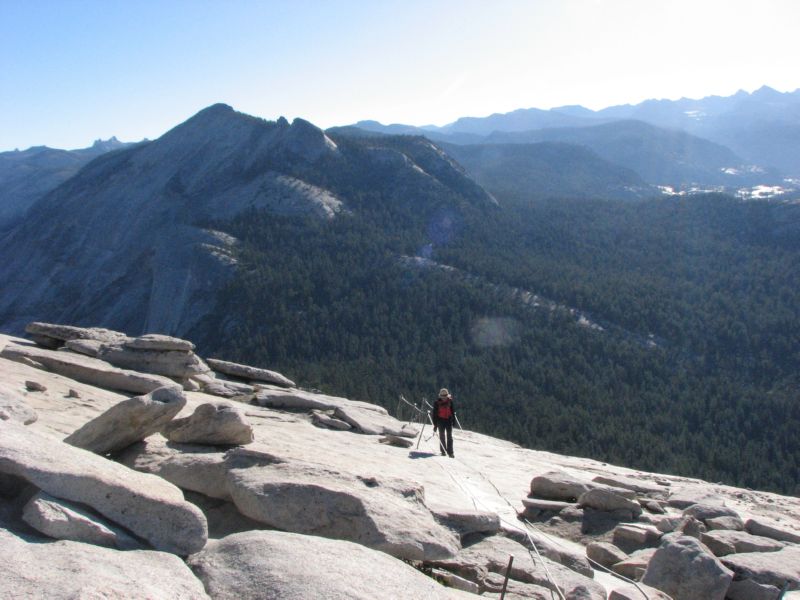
x: 451, y: 455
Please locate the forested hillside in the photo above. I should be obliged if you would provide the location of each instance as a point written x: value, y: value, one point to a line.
x: 693, y: 372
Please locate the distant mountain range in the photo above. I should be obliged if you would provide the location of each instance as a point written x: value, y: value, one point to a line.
x: 659, y: 156
x: 734, y: 141
x: 547, y: 169
x: 762, y: 127
x: 27, y: 175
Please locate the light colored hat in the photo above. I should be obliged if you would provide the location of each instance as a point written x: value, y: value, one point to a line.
x: 443, y: 393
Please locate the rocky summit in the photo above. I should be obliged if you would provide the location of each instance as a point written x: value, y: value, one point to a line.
x: 136, y: 225
x: 143, y: 472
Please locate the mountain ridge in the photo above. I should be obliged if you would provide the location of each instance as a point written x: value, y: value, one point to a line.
x: 660, y: 156
x: 615, y: 111
x: 763, y: 126
x: 138, y: 214
x: 26, y: 175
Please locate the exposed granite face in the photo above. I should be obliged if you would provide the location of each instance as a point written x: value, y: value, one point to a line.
x: 140, y: 260
x: 13, y: 405
x: 347, y: 484
x: 249, y: 373
x: 36, y: 568
x: 137, y: 259
x: 86, y: 369
x: 218, y: 424
x: 64, y: 520
x: 275, y: 564
x: 146, y: 505
x: 685, y: 569
x: 768, y: 568
x: 128, y: 422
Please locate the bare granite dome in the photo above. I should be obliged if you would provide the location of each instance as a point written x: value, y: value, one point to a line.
x: 268, y: 482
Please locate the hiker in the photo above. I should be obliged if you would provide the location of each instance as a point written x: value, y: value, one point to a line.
x: 443, y: 414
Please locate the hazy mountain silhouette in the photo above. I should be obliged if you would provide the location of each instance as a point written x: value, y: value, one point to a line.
x: 27, y: 175
x: 763, y: 127
x: 760, y: 128
x: 547, y: 169
x: 660, y: 156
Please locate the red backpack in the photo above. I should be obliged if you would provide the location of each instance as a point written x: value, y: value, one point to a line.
x: 444, y: 410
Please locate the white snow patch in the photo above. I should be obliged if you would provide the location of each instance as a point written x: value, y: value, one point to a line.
x: 418, y: 169
x: 752, y: 169
x: 697, y: 115
x: 438, y: 150
x: 700, y: 190
x: 221, y: 246
x: 668, y: 190
x: 331, y: 145
x: 224, y: 238
x: 760, y: 192
x: 583, y: 321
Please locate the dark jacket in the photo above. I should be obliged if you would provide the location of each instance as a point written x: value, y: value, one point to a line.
x: 437, y: 420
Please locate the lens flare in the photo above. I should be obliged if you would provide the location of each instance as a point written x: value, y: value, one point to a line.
x: 495, y: 331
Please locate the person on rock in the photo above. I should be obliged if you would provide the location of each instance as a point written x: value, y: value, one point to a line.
x: 443, y: 414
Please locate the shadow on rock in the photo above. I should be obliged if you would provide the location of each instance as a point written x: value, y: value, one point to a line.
x: 418, y: 454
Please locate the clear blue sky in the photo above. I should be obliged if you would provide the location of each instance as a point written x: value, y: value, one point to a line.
x: 73, y: 71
